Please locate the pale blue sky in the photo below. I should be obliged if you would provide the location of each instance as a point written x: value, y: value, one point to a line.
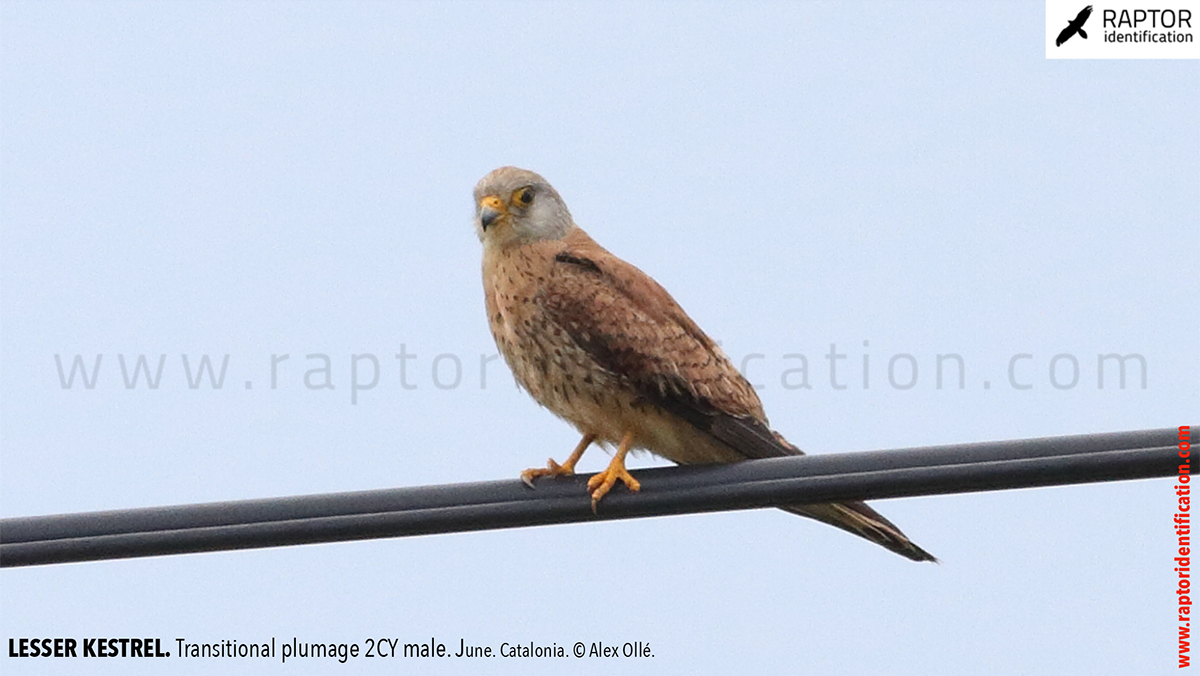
x: 258, y: 179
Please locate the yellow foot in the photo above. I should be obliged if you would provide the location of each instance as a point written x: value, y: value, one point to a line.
x: 553, y: 468
x: 601, y: 483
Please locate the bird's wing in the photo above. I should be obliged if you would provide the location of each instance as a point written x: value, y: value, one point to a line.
x: 634, y: 329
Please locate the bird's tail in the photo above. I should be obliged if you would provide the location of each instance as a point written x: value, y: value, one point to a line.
x: 860, y: 519
x: 857, y: 518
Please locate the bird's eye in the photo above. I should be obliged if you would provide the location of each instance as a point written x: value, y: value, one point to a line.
x: 524, y: 196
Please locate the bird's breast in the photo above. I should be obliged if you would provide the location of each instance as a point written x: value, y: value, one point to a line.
x: 565, y: 378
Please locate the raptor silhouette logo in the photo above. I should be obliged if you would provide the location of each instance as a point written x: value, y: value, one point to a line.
x: 1076, y: 26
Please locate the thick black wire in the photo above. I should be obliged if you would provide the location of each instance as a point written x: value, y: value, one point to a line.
x: 27, y: 541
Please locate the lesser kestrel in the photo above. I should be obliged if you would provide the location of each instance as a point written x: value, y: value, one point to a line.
x: 603, y: 346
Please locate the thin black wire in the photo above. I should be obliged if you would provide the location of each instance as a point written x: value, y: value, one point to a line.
x: 39, y: 540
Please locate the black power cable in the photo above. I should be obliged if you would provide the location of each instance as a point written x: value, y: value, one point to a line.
x: 275, y: 522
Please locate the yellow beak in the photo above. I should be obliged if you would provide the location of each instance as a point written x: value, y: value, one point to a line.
x: 490, y: 208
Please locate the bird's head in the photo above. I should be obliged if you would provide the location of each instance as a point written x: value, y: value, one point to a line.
x: 514, y: 206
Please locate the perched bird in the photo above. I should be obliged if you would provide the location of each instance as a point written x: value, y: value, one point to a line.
x: 1075, y: 26
x: 603, y: 346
